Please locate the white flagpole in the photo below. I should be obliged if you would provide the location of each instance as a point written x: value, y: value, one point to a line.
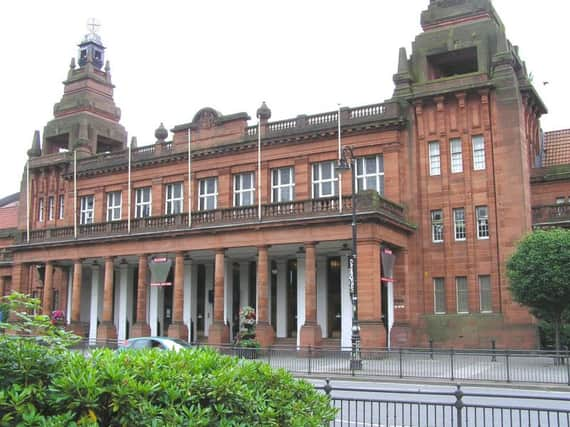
x: 129, y: 191
x: 28, y: 200
x: 189, y: 178
x: 339, y: 157
x: 259, y: 168
x: 75, y: 193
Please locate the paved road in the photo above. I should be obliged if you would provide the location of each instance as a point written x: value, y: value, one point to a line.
x: 433, y: 405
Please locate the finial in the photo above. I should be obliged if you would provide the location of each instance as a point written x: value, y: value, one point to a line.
x: 36, y: 150
x: 403, y: 66
x: 134, y: 143
x: 161, y: 133
x: 72, y: 64
x: 107, y: 66
x: 263, y: 112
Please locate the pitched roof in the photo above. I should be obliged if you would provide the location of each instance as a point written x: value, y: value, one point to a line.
x: 556, y: 148
x: 8, y: 217
x: 9, y: 200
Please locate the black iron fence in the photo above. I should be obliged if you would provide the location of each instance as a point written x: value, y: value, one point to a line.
x: 454, y: 408
x: 508, y: 366
x: 501, y: 366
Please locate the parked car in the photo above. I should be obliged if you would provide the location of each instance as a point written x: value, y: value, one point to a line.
x: 162, y: 343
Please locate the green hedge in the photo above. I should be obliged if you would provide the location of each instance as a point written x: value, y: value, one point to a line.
x: 44, y: 387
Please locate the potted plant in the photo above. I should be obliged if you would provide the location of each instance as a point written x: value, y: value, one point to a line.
x: 246, y: 342
x: 58, y: 318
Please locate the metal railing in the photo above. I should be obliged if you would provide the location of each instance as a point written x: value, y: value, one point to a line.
x: 548, y: 215
x: 457, y: 408
x: 500, y: 366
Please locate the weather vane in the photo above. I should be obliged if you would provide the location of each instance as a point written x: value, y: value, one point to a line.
x: 93, y: 25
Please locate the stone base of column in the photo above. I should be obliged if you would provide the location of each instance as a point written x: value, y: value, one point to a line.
x: 264, y: 334
x: 106, y: 333
x: 311, y: 335
x: 78, y: 328
x: 140, y: 329
x: 372, y: 334
x: 219, y: 333
x: 178, y: 330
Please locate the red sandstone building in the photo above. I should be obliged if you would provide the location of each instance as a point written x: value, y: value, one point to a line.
x: 450, y: 173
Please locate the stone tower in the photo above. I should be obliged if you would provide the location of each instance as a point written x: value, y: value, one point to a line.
x: 86, y: 118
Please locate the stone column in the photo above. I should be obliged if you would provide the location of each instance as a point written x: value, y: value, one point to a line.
x: 208, y: 306
x: 345, y: 302
x: 265, y: 334
x: 177, y: 329
x: 311, y: 334
x: 228, y: 295
x: 372, y: 331
x: 188, y: 307
x: 141, y: 327
x: 106, y: 330
x: 300, y: 294
x: 94, y: 306
x: 48, y: 289
x: 76, y: 326
x: 281, y: 321
x: 219, y: 332
x: 2, y: 286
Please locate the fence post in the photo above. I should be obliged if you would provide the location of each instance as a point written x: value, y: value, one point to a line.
x: 451, y: 353
x: 401, y: 361
x: 568, y: 365
x: 459, y: 405
x: 327, y: 388
x: 269, y: 356
x: 431, y: 349
x: 494, y: 348
x: 310, y: 355
x: 508, y: 366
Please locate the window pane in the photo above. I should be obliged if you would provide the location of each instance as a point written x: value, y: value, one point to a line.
x: 485, y: 294
x: 462, y: 295
x: 478, y: 152
x: 459, y: 223
x: 434, y: 160
x: 439, y: 295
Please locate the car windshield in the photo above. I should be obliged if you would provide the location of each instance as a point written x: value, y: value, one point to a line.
x: 175, y: 344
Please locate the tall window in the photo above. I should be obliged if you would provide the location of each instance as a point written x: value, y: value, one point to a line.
x: 439, y: 295
x: 434, y: 159
x: 325, y: 180
x: 482, y: 222
x: 456, y: 155
x: 174, y: 198
x: 114, y: 206
x: 41, y: 210
x: 370, y: 173
x: 86, y: 209
x: 485, y: 295
x: 437, y: 226
x: 244, y: 189
x: 143, y: 202
x: 208, y: 196
x: 283, y: 184
x: 51, y: 208
x: 462, y: 295
x: 478, y: 153
x: 459, y: 223
x: 61, y: 206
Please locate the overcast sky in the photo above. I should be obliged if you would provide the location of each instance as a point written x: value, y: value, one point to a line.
x: 171, y: 58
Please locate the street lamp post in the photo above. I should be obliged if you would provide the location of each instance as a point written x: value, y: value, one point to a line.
x: 347, y: 161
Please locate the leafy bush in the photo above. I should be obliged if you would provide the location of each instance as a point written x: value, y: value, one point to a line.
x: 153, y: 388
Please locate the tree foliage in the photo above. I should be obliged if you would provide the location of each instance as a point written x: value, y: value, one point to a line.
x: 539, y: 274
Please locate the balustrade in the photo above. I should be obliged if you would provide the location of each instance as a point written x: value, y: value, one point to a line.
x: 551, y: 214
x: 366, y: 202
